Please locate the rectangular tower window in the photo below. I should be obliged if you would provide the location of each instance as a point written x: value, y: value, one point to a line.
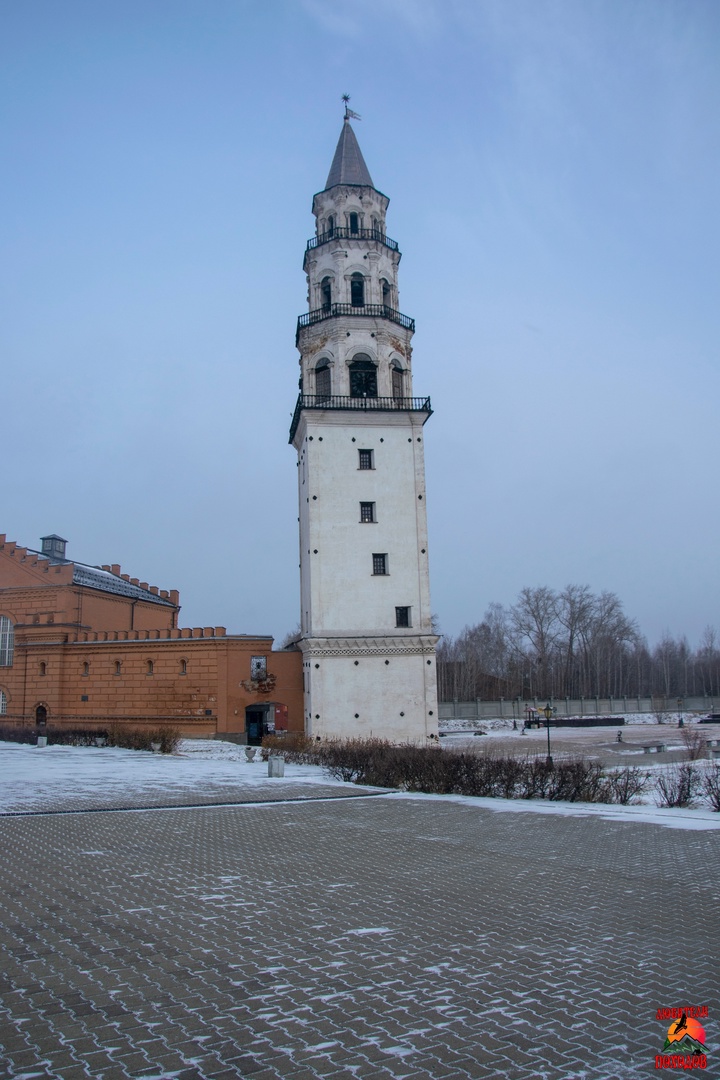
x: 402, y: 616
x: 379, y: 563
x: 367, y: 512
x: 365, y: 459
x: 258, y: 667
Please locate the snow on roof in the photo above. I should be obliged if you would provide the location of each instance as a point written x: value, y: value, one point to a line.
x: 106, y: 581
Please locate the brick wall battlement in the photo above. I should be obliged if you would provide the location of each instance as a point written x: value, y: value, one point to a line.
x: 93, y: 646
x: 151, y: 635
x: 64, y: 571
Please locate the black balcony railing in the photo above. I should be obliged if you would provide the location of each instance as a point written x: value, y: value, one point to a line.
x: 375, y: 311
x: 361, y: 404
x: 343, y: 233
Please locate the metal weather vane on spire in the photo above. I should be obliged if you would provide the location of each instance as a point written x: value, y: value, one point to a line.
x: 349, y: 114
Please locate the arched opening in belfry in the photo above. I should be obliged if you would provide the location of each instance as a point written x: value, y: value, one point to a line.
x: 398, y: 382
x: 357, y: 290
x: 363, y: 377
x: 386, y: 292
x: 323, y: 380
x: 326, y: 293
x: 353, y: 224
x: 330, y: 225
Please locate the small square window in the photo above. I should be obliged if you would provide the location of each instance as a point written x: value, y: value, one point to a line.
x: 367, y: 511
x: 365, y: 459
x: 258, y: 667
x: 402, y: 616
x: 379, y: 563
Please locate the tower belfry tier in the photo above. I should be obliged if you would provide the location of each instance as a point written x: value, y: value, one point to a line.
x: 366, y: 635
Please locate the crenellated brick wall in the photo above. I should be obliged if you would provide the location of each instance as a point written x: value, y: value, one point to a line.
x: 91, y: 658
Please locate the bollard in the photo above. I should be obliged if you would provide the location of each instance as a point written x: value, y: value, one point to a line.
x: 41, y: 740
x: 276, y: 765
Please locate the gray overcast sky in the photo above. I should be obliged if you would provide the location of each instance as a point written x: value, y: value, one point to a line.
x: 552, y: 167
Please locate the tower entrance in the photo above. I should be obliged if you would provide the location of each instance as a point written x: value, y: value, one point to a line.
x: 264, y: 718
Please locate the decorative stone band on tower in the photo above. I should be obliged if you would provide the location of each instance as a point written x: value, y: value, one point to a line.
x: 366, y: 634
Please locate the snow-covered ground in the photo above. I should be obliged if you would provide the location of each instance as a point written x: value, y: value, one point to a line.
x: 38, y: 779
x: 640, y: 730
x: 35, y: 778
x: 496, y: 724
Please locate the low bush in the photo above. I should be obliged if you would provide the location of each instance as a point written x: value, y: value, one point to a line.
x: 16, y: 733
x: 135, y: 739
x: 677, y: 785
x: 294, y: 746
x: 72, y: 736
x: 626, y: 785
x: 711, y: 786
x: 577, y: 781
x: 695, y: 743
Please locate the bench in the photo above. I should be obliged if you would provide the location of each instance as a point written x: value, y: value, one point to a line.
x: 655, y: 748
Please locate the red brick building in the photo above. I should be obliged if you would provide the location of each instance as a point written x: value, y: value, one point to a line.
x: 88, y: 646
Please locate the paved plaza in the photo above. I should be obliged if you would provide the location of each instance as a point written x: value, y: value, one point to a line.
x: 381, y: 937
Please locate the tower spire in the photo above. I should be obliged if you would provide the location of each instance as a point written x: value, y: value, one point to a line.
x: 348, y: 165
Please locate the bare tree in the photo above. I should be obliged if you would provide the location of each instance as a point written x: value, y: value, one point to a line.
x: 290, y: 639
x: 533, y: 620
x: 572, y: 643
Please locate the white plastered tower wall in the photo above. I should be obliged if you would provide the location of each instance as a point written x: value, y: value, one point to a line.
x: 366, y: 631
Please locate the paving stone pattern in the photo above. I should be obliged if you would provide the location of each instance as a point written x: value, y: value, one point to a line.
x: 370, y: 939
x: 158, y: 798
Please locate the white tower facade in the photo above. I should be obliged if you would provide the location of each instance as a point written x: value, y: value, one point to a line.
x: 366, y: 635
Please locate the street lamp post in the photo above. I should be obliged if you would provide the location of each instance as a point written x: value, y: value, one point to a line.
x: 547, y: 713
x: 681, y: 721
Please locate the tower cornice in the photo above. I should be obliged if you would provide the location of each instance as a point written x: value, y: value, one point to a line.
x: 342, y: 192
x: 350, y: 311
x: 369, y: 645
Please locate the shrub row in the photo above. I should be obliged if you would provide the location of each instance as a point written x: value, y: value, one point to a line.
x: 134, y: 739
x: 16, y: 733
x: 448, y: 772
x: 115, y: 735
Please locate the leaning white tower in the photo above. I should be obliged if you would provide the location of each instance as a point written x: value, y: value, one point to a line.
x: 366, y: 634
